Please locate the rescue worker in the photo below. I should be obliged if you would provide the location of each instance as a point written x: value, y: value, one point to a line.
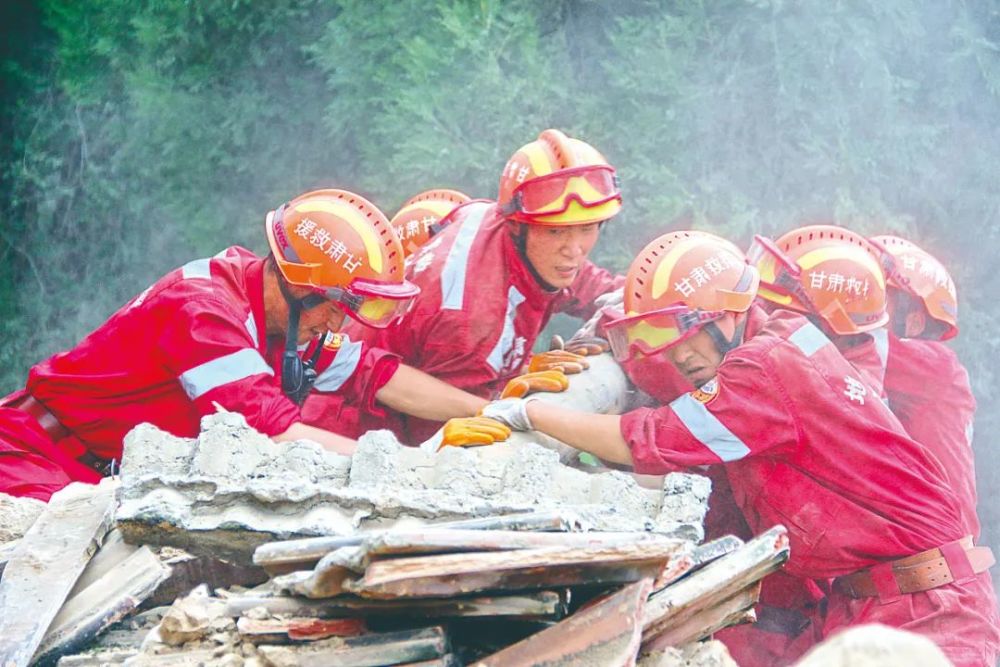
x: 832, y: 276
x: 420, y: 218
x: 926, y: 384
x: 223, y: 332
x: 807, y: 444
x: 494, y: 276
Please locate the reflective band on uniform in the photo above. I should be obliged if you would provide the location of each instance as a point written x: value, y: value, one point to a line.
x: 707, y: 428
x: 217, y: 372
x: 252, y: 330
x: 881, y: 338
x: 453, y: 275
x: 809, y: 339
x: 197, y: 268
x: 343, y: 367
x: 506, y: 341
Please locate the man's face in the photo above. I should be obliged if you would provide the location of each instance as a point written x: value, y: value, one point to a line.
x: 557, y: 253
x: 697, y: 358
x: 313, y: 322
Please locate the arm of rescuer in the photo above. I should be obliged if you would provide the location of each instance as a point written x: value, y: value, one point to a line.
x: 418, y: 394
x: 743, y: 414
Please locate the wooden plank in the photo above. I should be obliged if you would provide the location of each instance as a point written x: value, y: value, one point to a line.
x: 188, y: 571
x: 7, y: 549
x: 606, y: 632
x: 706, y: 553
x: 462, y: 574
x: 704, y: 622
x: 449, y: 660
x: 113, y: 551
x: 438, y: 541
x: 301, y: 554
x: 717, y: 581
x: 47, y: 563
x: 289, y: 630
x: 384, y: 648
x: 536, y: 605
x: 117, y: 593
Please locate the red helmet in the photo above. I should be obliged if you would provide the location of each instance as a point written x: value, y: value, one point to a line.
x: 420, y: 216
x: 823, y: 270
x: 556, y: 180
x: 340, y: 245
x: 915, y: 271
x: 676, y: 285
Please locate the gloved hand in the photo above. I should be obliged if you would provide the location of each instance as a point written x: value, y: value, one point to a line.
x: 511, y: 411
x: 583, y: 345
x: 473, y: 432
x: 557, y: 360
x: 522, y: 385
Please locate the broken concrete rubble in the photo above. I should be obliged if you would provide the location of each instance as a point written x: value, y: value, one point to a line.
x: 232, y: 489
x: 17, y: 515
x: 875, y: 645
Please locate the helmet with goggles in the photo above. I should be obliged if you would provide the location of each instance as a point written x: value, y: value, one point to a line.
x: 421, y: 216
x: 341, y: 246
x: 915, y: 271
x: 823, y: 270
x: 679, y: 283
x: 557, y: 180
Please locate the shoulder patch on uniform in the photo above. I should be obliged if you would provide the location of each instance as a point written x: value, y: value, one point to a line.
x: 333, y: 341
x: 706, y: 392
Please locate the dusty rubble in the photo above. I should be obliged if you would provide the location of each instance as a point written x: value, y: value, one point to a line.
x: 232, y: 489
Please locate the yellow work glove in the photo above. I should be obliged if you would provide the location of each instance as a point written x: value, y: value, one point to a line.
x: 557, y: 360
x: 586, y: 346
x: 473, y: 432
x: 522, y: 385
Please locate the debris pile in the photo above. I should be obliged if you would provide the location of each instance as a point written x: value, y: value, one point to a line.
x: 294, y: 556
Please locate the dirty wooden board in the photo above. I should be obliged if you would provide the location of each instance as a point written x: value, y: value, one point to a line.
x: 436, y: 540
x: 606, y: 632
x: 383, y: 648
x: 458, y: 574
x: 117, y: 593
x: 300, y: 554
x: 289, y: 630
x: 703, y: 622
x: 444, y: 661
x: 539, y: 604
x: 112, y: 553
x: 718, y: 580
x: 6, y: 551
x: 706, y: 553
x: 47, y: 563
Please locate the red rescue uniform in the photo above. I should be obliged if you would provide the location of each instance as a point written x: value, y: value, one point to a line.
x: 194, y: 339
x: 809, y: 444
x: 475, y: 322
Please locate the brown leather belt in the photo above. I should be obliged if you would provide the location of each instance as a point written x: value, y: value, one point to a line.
x: 55, y: 430
x: 45, y: 419
x: 921, y: 572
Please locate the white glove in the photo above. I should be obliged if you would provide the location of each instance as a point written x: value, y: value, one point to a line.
x: 612, y: 299
x: 511, y: 411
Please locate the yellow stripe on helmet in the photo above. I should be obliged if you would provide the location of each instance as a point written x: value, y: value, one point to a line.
x: 349, y: 214
x: 538, y: 158
x: 661, y: 278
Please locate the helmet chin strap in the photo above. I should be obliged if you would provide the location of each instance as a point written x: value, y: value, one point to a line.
x: 721, y: 343
x: 521, y: 243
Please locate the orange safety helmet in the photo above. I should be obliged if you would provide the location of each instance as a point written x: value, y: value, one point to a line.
x: 556, y: 180
x: 827, y: 271
x: 913, y: 270
x: 340, y: 245
x: 678, y: 283
x: 420, y: 216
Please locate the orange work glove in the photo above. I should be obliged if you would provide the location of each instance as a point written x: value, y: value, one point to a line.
x: 522, y: 385
x: 586, y: 346
x: 473, y: 432
x: 557, y: 360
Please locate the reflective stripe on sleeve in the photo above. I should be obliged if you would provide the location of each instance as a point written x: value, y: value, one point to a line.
x: 707, y: 428
x: 881, y: 338
x: 506, y: 341
x: 343, y: 367
x: 809, y: 339
x: 197, y: 268
x: 453, y: 274
x: 252, y: 330
x: 217, y: 372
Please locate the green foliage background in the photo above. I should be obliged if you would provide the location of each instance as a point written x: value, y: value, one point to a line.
x: 136, y: 134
